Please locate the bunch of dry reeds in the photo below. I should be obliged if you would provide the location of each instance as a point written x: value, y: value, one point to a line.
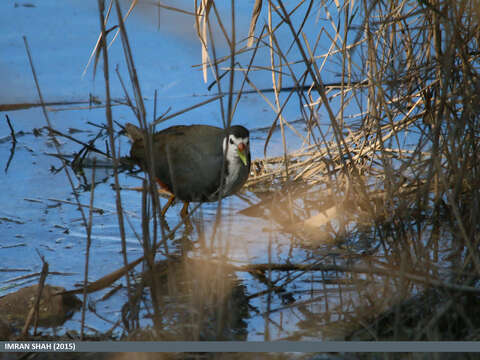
x: 399, y: 153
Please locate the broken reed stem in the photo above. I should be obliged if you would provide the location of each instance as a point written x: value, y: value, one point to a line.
x: 14, y: 143
x: 34, y: 313
x: 12, y: 131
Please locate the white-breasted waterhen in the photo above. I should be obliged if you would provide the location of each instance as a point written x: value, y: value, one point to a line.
x: 188, y: 160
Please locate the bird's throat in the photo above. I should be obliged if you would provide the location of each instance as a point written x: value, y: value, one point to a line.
x: 233, y: 169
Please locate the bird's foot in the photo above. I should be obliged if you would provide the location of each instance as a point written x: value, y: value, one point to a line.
x: 167, y: 205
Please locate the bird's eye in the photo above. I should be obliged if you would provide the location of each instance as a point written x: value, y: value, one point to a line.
x: 231, y: 141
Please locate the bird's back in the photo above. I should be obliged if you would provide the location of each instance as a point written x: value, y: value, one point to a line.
x: 188, y: 159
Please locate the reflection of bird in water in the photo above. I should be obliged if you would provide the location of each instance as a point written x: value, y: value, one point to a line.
x: 188, y: 160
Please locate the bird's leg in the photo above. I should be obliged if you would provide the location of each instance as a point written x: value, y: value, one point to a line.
x: 184, y: 211
x: 167, y: 205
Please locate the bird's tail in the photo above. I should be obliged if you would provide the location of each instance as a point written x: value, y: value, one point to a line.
x: 133, y: 132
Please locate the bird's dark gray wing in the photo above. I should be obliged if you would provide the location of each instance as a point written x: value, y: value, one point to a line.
x: 190, y: 161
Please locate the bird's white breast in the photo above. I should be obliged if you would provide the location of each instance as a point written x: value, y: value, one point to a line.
x: 234, y: 166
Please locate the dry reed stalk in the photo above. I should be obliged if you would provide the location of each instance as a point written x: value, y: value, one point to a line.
x: 108, y: 114
x: 257, y: 7
x: 34, y: 313
x: 87, y: 251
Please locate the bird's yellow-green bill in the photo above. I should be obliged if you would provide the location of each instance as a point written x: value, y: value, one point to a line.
x: 241, y: 155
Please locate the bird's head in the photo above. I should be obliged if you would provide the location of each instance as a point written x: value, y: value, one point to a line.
x: 238, y: 147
